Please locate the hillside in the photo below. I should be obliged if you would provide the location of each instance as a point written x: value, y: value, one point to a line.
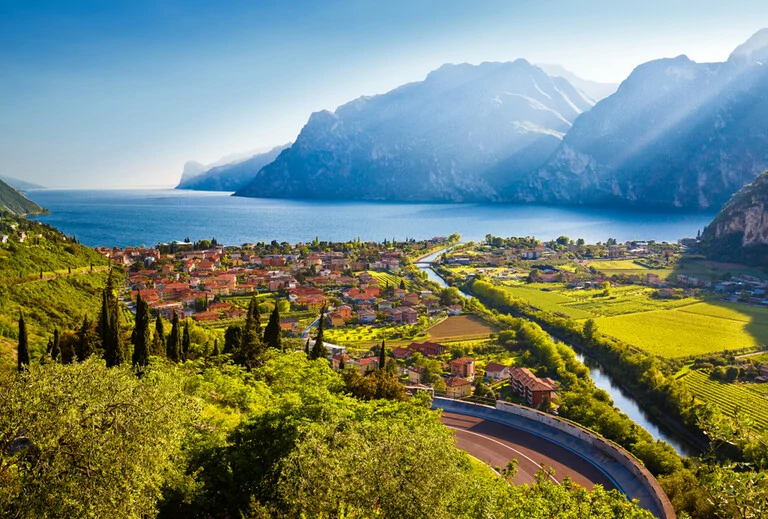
x: 227, y: 177
x: 21, y: 185
x: 594, y: 89
x: 60, y: 298
x: 456, y: 136
x: 676, y: 134
x: 14, y: 202
x: 739, y: 232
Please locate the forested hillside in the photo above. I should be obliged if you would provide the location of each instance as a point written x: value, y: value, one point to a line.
x: 47, y: 276
x: 11, y: 201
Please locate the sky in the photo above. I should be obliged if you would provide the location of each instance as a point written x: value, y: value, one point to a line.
x: 107, y: 94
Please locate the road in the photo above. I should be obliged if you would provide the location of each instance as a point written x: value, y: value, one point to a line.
x: 497, y: 444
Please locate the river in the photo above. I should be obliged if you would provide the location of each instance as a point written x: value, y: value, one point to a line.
x: 621, y: 399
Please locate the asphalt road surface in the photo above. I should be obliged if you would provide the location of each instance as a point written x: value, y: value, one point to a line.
x: 497, y: 444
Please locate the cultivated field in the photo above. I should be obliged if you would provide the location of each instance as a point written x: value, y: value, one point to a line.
x: 730, y: 397
x: 460, y: 326
x: 666, y: 327
x: 628, y: 267
x: 394, y: 281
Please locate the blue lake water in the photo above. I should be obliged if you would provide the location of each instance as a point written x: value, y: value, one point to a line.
x: 136, y: 217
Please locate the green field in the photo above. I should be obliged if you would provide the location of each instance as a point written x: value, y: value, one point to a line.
x: 369, y: 334
x: 628, y: 267
x: 394, y: 281
x: 678, y: 333
x: 549, y: 300
x: 730, y: 397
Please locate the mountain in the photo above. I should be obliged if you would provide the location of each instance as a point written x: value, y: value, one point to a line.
x: 739, y: 232
x: 21, y: 185
x: 14, y: 202
x: 456, y: 136
x: 676, y: 134
x: 228, y: 177
x: 595, y: 90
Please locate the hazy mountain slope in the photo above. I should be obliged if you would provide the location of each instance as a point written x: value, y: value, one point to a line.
x: 21, y: 185
x: 596, y: 90
x: 14, y: 202
x: 438, y: 139
x: 232, y: 176
x: 676, y: 134
x: 739, y: 232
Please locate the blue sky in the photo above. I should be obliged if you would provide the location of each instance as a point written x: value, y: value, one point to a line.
x: 116, y: 93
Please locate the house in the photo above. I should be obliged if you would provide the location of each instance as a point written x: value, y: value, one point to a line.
x: 463, y: 367
x: 338, y: 360
x: 457, y: 387
x: 401, y: 353
x: 496, y: 371
x: 415, y: 373
x: 428, y: 349
x: 409, y: 316
x: 345, y: 311
x: 206, y: 316
x: 366, y: 316
x: 533, y: 390
x: 367, y: 364
x: 454, y: 310
x: 411, y: 299
x: 385, y: 305
x: 336, y: 320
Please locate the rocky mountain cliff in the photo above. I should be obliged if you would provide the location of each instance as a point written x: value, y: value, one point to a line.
x: 676, y: 134
x: 12, y: 201
x: 739, y: 232
x: 227, y: 177
x: 456, y: 136
x: 594, y: 89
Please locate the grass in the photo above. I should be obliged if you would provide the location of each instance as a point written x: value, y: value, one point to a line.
x: 394, y: 281
x: 730, y: 397
x: 681, y: 333
x: 628, y: 267
x: 460, y: 326
x: 372, y: 334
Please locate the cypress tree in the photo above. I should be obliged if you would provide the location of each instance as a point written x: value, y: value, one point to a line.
x: 251, y: 345
x: 158, y: 341
x: 232, y: 339
x: 85, y: 340
x: 173, y: 347
x: 272, y: 333
x: 56, y: 349
x: 186, y: 342
x: 104, y: 320
x: 215, y: 348
x: 141, y: 334
x: 23, y: 349
x: 318, y: 349
x: 383, y: 356
x: 114, y: 353
x: 342, y: 363
x: 49, y: 347
x: 306, y: 347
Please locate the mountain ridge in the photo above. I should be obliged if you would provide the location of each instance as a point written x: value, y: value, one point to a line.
x: 12, y: 201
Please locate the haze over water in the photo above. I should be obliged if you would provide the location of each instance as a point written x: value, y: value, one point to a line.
x: 136, y: 217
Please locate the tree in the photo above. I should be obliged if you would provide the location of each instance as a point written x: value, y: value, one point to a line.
x: 23, y: 348
x: 402, y: 284
x: 141, y: 337
x: 251, y: 346
x: 272, y: 333
x: 186, y: 342
x: 383, y: 356
x: 86, y: 340
x: 590, y: 329
x: 319, y: 351
x: 109, y: 326
x: 215, y: 352
x: 173, y: 347
x: 158, y: 341
x: 56, y: 348
x: 232, y: 339
x: 450, y: 296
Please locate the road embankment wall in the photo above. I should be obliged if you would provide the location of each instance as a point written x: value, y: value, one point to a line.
x: 524, y: 418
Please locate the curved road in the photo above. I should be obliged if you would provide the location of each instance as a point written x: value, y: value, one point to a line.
x: 497, y: 444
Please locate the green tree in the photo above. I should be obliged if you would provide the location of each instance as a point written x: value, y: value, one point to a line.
x: 86, y: 340
x: 56, y: 348
x: 141, y: 337
x: 590, y: 329
x: 186, y: 342
x: 273, y: 332
x: 23, y: 348
x: 251, y: 349
x: 158, y: 341
x: 319, y: 351
x: 173, y: 346
x: 383, y: 356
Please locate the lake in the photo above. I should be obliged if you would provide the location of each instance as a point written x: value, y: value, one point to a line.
x: 147, y: 217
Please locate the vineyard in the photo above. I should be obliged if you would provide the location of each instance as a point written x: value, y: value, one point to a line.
x: 385, y: 278
x: 730, y: 397
x: 677, y: 333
